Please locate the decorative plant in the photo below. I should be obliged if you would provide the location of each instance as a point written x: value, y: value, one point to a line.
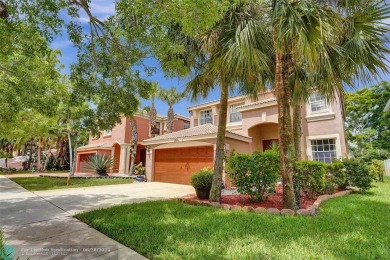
x: 202, y: 179
x: 100, y: 163
x: 139, y: 169
x: 255, y: 173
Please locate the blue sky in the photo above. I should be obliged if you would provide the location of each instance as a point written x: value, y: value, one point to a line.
x: 104, y: 8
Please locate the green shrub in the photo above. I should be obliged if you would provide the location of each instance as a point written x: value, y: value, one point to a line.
x: 377, y: 169
x: 255, y: 173
x: 100, y: 163
x: 358, y: 174
x: 330, y: 185
x: 202, y: 179
x: 338, y: 175
x: 311, y: 175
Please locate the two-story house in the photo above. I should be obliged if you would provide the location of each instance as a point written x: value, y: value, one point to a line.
x: 116, y: 143
x: 251, y: 126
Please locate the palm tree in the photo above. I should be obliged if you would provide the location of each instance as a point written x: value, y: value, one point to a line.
x: 326, y: 61
x: 134, y: 143
x: 153, y: 112
x: 171, y: 97
x: 224, y: 59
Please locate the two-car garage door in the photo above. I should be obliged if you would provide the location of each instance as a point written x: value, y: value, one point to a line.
x: 176, y: 165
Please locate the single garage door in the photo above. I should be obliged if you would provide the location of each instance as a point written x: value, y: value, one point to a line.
x: 178, y: 164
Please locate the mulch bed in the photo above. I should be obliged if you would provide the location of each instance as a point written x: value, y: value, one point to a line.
x: 274, y: 200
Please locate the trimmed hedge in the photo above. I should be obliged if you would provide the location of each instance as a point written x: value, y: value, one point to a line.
x: 338, y: 174
x: 255, y: 173
x: 358, y: 174
x: 311, y: 176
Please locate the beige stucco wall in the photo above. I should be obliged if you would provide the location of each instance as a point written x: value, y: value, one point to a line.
x: 322, y: 129
x: 331, y: 125
x: 117, y: 134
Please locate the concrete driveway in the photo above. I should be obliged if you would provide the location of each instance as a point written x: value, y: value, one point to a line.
x: 76, y: 200
x: 43, y: 220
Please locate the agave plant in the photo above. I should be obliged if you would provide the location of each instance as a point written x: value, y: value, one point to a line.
x: 100, y: 163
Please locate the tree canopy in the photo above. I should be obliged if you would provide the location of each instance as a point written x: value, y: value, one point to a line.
x: 368, y: 125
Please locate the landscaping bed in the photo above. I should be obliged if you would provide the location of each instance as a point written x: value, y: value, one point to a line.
x: 350, y: 227
x: 273, y: 200
x: 273, y: 204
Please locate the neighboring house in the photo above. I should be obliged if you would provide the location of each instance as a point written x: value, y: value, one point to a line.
x: 116, y: 143
x: 252, y: 126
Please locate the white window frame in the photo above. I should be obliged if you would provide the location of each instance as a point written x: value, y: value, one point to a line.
x: 309, y: 150
x: 200, y: 117
x: 186, y: 124
x: 230, y: 113
x: 107, y: 133
x: 325, y: 110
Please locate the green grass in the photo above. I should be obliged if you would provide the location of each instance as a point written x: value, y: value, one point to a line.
x: 47, y: 183
x: 29, y: 172
x: 352, y: 227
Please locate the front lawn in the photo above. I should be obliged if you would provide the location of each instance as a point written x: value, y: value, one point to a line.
x: 47, y: 183
x: 29, y: 172
x: 352, y: 227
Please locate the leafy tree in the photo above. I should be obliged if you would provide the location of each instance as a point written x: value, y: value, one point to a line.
x: 105, y: 76
x: 377, y: 169
x: 367, y: 125
x: 171, y: 97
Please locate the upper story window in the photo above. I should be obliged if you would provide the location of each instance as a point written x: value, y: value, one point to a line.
x: 235, y: 116
x: 186, y: 125
x: 156, y: 130
x: 107, y: 132
x: 206, y: 117
x: 317, y: 103
x: 324, y: 150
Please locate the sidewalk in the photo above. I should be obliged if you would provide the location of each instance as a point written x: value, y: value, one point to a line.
x: 38, y: 229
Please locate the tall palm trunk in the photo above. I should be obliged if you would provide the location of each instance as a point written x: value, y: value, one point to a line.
x: 39, y: 149
x: 44, y: 167
x: 215, y: 193
x: 171, y: 115
x: 134, y: 142
x: 73, y: 168
x: 70, y: 158
x: 297, y: 130
x: 286, y: 145
x: 31, y: 153
x: 153, y: 120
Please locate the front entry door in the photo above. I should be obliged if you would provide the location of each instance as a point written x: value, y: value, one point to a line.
x: 267, y: 144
